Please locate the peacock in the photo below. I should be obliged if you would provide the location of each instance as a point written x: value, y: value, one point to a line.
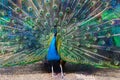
x: 74, y: 31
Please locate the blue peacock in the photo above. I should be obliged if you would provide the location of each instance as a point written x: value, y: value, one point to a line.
x: 75, y: 31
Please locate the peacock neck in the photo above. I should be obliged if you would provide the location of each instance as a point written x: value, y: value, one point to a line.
x: 52, y: 52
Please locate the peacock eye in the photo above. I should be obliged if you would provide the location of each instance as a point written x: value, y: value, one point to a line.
x: 93, y: 3
x: 48, y: 1
x: 78, y: 5
x: 70, y: 48
x: 68, y: 9
x: 30, y: 9
x: 2, y: 28
x: 56, y: 20
x: 55, y: 7
x: 84, y: 38
x: 116, y: 62
x: 37, y: 20
x: 14, y: 31
x: 64, y: 23
x: 3, y: 51
x: 107, y: 4
x: 64, y: 31
x: 27, y: 18
x: 72, y: 36
x: 98, y: 29
x: 108, y: 35
x: 47, y: 14
x: 18, y: 9
x: 3, y: 36
x: 88, y: 45
x: 41, y: 12
x: 74, y: 19
x: 87, y: 28
x: 46, y: 23
x: 112, y: 22
x: 47, y: 37
x: 17, y: 39
x: 25, y: 37
x: 21, y: 46
x: 3, y: 13
x: 94, y: 38
x: 95, y: 50
x: 101, y: 42
x: 78, y: 44
x: 60, y: 14
x: 75, y: 28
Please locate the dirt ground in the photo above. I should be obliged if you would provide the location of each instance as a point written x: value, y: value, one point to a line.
x: 72, y: 72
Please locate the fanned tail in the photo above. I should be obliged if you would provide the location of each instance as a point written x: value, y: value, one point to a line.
x: 88, y: 31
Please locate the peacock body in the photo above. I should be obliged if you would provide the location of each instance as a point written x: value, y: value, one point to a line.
x: 88, y: 31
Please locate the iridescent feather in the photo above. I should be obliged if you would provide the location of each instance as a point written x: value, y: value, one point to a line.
x: 88, y: 31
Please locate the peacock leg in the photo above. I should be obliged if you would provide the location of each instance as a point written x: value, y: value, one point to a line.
x: 62, y: 75
x: 52, y: 71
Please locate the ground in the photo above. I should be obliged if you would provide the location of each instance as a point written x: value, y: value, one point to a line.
x: 72, y: 72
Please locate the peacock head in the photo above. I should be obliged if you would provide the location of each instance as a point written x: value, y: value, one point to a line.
x: 55, y: 30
